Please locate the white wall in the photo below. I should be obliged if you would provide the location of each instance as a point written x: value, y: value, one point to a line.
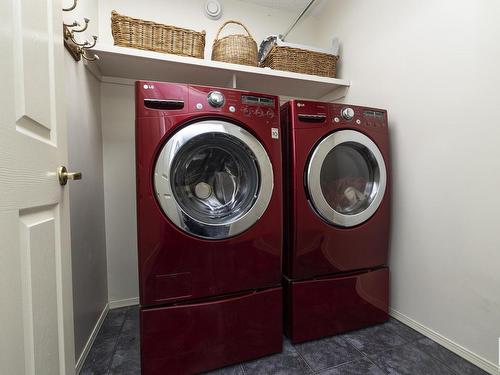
x: 434, y: 66
x: 118, y: 121
x: 118, y: 118
x: 88, y: 244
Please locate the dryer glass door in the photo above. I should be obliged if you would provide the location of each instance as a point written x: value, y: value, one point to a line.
x: 346, y: 178
x: 213, y: 179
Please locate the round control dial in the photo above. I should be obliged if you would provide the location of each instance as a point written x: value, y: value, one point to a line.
x: 215, y: 99
x: 347, y: 113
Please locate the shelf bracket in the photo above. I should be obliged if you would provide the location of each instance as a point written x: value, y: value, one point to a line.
x: 233, y: 82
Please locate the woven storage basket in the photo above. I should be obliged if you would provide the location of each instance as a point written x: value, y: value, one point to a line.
x: 301, y: 61
x: 152, y: 36
x: 236, y: 49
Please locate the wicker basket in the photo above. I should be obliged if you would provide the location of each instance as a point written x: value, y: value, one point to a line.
x: 301, y: 61
x: 236, y: 49
x: 152, y: 36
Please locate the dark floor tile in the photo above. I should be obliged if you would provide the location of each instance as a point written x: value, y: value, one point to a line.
x: 286, y: 363
x: 456, y: 363
x: 375, y: 339
x: 133, y: 312
x: 127, y: 356
x: 409, y: 360
x: 116, y: 316
x: 112, y: 325
x: 129, y: 342
x: 407, y: 333
x: 359, y: 367
x: 99, y: 357
x: 393, y: 347
x: 125, y: 362
x: 327, y: 352
x: 231, y: 370
x: 130, y: 326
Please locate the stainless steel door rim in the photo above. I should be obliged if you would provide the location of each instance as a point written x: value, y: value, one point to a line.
x: 313, y: 178
x: 216, y: 228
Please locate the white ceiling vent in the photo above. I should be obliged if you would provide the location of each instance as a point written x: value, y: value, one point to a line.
x: 213, y: 9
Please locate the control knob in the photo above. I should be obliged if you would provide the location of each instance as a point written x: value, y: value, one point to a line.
x: 215, y: 99
x: 347, y: 113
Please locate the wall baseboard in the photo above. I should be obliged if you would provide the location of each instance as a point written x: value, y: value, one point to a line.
x: 475, y: 359
x: 123, y: 303
x: 90, y: 341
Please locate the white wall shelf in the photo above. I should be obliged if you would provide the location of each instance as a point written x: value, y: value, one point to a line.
x: 133, y: 64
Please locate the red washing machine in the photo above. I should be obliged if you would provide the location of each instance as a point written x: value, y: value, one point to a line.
x: 337, y: 215
x: 209, y: 216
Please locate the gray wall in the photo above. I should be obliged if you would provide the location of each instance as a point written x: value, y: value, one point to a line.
x: 88, y: 242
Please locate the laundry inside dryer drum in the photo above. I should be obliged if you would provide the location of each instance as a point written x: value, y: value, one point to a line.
x: 349, y: 177
x: 215, y: 178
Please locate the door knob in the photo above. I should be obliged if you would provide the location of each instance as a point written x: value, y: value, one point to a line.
x: 64, y: 175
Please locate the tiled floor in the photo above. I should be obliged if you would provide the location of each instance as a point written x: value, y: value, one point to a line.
x: 390, y: 348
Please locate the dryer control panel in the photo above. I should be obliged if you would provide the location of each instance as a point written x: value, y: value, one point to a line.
x: 315, y: 114
x: 354, y: 115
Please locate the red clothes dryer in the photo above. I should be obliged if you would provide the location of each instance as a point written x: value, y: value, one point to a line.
x: 209, y: 212
x: 337, y: 211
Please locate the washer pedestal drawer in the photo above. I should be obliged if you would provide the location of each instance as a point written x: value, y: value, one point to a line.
x: 197, y: 337
x: 328, y: 306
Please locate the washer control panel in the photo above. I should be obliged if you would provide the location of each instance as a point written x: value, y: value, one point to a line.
x: 258, y: 106
x: 243, y: 105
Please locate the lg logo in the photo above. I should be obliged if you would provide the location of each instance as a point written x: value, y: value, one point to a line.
x: 148, y: 87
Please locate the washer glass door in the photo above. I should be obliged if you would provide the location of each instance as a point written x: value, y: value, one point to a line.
x: 346, y: 178
x: 213, y: 179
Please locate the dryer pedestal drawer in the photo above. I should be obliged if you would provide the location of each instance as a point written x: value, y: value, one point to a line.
x: 193, y: 338
x: 325, y: 307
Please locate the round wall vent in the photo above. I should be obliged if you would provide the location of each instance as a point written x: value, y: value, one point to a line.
x: 213, y: 9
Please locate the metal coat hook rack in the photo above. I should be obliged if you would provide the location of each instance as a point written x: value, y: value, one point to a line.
x: 78, y: 49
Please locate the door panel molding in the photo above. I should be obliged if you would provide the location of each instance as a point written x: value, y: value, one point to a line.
x: 40, y: 290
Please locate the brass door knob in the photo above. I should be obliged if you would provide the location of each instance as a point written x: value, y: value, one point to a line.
x: 64, y: 175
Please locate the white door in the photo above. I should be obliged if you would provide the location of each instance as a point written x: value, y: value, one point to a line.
x: 36, y: 314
